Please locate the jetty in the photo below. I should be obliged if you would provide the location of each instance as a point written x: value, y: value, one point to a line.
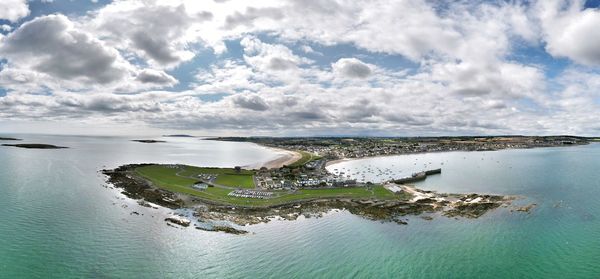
x: 419, y: 176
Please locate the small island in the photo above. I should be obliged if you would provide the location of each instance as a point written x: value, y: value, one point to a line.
x: 149, y: 141
x: 3, y: 138
x: 35, y: 146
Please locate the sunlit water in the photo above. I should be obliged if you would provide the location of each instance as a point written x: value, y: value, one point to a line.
x: 57, y: 220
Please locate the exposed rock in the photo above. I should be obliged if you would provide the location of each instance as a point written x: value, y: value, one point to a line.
x: 135, y: 187
x: 178, y: 220
x: 526, y: 208
x: 224, y: 229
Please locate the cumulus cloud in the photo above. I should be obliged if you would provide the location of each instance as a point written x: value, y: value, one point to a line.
x: 269, y: 57
x: 13, y: 10
x: 156, y: 77
x: 54, y: 46
x: 251, y: 15
x: 252, y: 102
x: 157, y: 32
x: 571, y: 31
x: 501, y: 79
x: 434, y: 68
x: 5, y: 27
x: 352, y: 68
x: 229, y: 77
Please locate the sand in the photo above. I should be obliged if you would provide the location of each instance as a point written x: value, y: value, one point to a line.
x: 286, y: 157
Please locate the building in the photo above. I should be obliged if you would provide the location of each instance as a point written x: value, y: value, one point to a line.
x: 200, y: 186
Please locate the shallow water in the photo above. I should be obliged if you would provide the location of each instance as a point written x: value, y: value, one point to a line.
x: 58, y: 221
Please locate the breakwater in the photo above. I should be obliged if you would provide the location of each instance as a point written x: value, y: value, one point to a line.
x: 419, y: 176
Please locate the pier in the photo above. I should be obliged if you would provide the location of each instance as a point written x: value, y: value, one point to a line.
x: 419, y: 176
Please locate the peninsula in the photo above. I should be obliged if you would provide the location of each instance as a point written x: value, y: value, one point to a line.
x: 304, y: 187
x: 243, y: 197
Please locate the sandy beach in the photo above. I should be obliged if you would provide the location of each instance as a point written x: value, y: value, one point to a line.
x: 286, y: 157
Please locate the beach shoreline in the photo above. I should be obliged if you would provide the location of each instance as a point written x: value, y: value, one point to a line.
x: 285, y: 157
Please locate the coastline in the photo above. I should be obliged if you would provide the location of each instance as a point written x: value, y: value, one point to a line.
x: 286, y: 157
x: 337, y: 161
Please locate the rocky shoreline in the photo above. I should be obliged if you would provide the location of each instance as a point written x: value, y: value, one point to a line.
x: 137, y: 188
x: 426, y: 204
x: 449, y: 205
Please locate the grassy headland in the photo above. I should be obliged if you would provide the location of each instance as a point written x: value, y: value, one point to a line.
x: 181, y: 178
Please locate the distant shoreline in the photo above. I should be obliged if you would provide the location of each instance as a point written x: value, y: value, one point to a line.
x: 342, y: 160
x: 35, y: 146
x: 11, y: 139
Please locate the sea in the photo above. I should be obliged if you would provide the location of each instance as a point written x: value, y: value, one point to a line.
x: 60, y: 219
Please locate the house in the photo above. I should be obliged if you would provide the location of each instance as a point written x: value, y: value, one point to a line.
x: 200, y: 186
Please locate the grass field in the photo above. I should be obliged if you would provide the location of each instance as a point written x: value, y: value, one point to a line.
x: 306, y: 157
x: 235, y: 180
x: 193, y: 171
x: 170, y: 179
x: 225, y: 176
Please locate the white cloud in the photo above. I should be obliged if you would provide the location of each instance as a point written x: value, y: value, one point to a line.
x: 571, y: 31
x: 13, y: 10
x: 156, y: 77
x: 6, y: 27
x: 352, y: 68
x: 270, y: 57
x: 229, y: 77
x: 251, y: 102
x: 52, y: 45
x: 463, y: 75
x: 156, y: 31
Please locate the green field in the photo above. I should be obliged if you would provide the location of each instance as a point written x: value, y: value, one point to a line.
x: 306, y: 157
x: 193, y: 171
x: 179, y: 180
x: 235, y: 180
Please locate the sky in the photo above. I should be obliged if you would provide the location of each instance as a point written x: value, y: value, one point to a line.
x: 300, y: 67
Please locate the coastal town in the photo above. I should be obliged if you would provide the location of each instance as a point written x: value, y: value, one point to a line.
x: 333, y: 148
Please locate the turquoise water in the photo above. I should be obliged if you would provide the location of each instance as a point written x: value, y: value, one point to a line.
x: 58, y: 221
